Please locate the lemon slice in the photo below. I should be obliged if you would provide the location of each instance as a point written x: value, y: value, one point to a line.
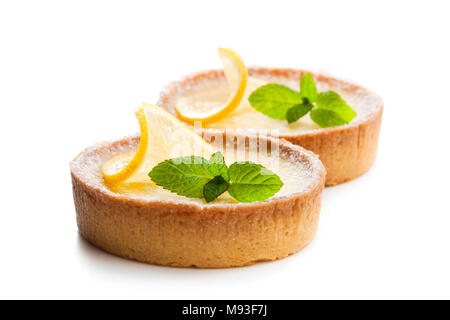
x: 236, y: 74
x: 162, y: 137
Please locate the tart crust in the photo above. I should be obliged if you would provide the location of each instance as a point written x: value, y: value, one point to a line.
x: 346, y: 151
x: 183, y: 234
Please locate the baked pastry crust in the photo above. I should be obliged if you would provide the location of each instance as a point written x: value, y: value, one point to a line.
x: 186, y: 234
x: 346, y: 151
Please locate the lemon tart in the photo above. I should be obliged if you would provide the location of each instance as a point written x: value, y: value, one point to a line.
x: 120, y: 210
x: 347, y: 151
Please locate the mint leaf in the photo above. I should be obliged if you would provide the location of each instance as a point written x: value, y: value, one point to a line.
x: 215, y: 188
x: 331, y: 101
x: 252, y: 182
x: 298, y: 111
x: 217, y: 166
x: 274, y: 100
x: 186, y: 176
x: 326, y: 118
x: 308, y: 88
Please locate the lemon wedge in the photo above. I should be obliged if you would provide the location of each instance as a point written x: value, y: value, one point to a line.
x: 162, y: 137
x: 236, y: 73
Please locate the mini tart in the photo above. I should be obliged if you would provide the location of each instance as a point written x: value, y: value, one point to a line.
x: 188, y: 232
x: 346, y: 151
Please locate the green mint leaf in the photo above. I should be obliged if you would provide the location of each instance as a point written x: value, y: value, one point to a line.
x: 326, y: 118
x: 186, y: 176
x: 215, y: 188
x: 331, y: 101
x: 308, y: 88
x: 217, y: 166
x: 274, y: 100
x: 252, y: 182
x: 298, y: 111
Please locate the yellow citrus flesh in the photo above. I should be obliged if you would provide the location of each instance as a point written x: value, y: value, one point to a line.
x: 236, y: 73
x: 162, y: 137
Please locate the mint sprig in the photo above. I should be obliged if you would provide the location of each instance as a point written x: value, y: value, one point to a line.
x: 277, y: 101
x: 197, y: 177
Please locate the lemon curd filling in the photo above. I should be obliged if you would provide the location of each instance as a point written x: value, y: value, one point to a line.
x: 295, y: 176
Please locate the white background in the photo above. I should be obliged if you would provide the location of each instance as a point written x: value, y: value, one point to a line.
x: 71, y: 73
